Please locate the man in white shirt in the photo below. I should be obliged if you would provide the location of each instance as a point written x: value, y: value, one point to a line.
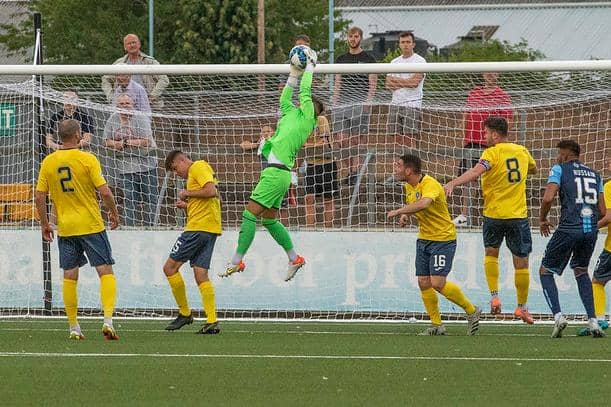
x: 404, y: 111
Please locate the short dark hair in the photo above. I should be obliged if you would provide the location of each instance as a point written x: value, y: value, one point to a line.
x: 412, y: 161
x: 319, y: 106
x: 169, y: 159
x: 302, y: 37
x: 570, y: 145
x: 408, y: 34
x: 68, y: 128
x: 497, y: 124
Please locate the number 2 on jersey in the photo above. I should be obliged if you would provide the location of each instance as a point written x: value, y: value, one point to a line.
x: 513, y: 168
x: 66, y: 177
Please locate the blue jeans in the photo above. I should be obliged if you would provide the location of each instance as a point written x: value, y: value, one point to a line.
x: 140, y: 187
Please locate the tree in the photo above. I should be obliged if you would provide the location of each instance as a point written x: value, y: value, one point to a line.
x: 481, y: 51
x: 187, y: 31
x: 78, y: 31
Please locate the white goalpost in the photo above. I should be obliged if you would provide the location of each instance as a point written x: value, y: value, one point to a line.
x: 360, y: 264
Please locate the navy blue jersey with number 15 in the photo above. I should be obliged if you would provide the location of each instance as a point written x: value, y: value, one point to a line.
x: 580, y: 187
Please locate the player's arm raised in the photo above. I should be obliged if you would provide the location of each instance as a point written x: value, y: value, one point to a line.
x: 305, y: 88
x: 469, y: 176
x: 412, y: 208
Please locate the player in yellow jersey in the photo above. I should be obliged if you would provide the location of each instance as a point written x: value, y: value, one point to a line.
x: 436, y: 244
x: 602, y: 272
x: 503, y: 168
x: 200, y: 201
x: 71, y: 177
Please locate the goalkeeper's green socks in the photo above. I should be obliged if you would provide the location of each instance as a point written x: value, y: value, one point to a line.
x: 180, y: 293
x: 281, y: 236
x: 247, y: 235
x: 70, y: 301
x: 108, y: 294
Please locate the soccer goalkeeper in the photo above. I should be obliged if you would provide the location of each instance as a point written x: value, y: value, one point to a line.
x: 293, y: 129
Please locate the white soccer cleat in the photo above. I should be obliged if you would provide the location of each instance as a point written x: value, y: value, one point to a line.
x: 595, y: 329
x: 233, y: 268
x: 76, y: 335
x: 434, y: 330
x: 473, y: 321
x: 461, y: 221
x: 559, y: 326
x: 294, y: 266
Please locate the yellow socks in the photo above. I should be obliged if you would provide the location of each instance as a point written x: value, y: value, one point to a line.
x: 207, y: 292
x: 70, y: 301
x: 108, y: 294
x: 453, y: 293
x: 429, y: 297
x: 599, y: 300
x: 180, y: 293
x: 522, y: 280
x: 491, y: 268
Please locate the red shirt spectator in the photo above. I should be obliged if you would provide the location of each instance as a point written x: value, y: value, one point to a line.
x: 483, y: 102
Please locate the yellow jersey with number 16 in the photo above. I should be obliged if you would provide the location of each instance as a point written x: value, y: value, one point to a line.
x: 71, y: 178
x: 504, y: 182
x: 434, y: 222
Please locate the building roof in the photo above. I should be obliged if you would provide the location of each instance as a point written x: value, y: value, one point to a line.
x: 562, y: 31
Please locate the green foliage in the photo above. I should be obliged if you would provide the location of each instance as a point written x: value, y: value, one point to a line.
x: 78, y: 31
x: 186, y: 31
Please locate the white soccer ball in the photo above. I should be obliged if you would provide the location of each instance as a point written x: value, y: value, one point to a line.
x: 298, y: 57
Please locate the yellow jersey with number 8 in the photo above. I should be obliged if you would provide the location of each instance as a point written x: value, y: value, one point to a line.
x: 504, y: 182
x: 71, y: 178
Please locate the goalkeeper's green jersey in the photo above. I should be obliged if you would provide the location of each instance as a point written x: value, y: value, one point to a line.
x: 295, y: 125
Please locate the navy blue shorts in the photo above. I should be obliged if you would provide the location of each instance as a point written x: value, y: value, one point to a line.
x: 434, y: 258
x: 72, y: 250
x: 577, y: 247
x: 602, y: 272
x: 516, y: 233
x: 195, y: 247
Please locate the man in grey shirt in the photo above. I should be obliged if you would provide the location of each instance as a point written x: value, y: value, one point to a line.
x: 125, y: 84
x: 129, y: 135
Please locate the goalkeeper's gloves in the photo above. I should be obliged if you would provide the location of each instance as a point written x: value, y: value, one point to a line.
x: 294, y: 75
x: 312, y: 58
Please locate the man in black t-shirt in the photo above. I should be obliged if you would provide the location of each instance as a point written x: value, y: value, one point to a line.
x: 352, y: 97
x: 70, y: 111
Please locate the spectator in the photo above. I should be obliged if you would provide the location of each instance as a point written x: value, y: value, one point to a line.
x: 125, y: 85
x: 482, y: 102
x: 70, y: 111
x: 321, y: 174
x: 404, y: 111
x: 354, y: 92
x: 154, y: 84
x: 129, y: 135
x: 267, y: 132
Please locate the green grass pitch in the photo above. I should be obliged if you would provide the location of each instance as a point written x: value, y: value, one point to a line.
x: 299, y: 364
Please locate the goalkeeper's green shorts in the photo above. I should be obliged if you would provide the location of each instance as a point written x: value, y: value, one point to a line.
x: 273, y: 184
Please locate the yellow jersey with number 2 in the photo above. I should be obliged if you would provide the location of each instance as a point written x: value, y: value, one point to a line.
x: 504, y: 182
x: 71, y: 178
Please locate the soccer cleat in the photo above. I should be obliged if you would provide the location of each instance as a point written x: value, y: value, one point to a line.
x: 109, y: 333
x: 461, y: 221
x: 586, y: 331
x: 559, y: 326
x: 524, y: 315
x: 294, y: 266
x: 210, y: 329
x: 76, y: 335
x: 473, y: 321
x: 434, y: 330
x: 595, y: 329
x: 495, y: 305
x: 179, y: 322
x: 233, y: 268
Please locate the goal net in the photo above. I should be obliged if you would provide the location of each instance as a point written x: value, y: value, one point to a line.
x: 360, y: 264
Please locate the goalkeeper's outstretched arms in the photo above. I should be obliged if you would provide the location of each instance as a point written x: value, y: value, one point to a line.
x: 286, y: 98
x: 305, y: 89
